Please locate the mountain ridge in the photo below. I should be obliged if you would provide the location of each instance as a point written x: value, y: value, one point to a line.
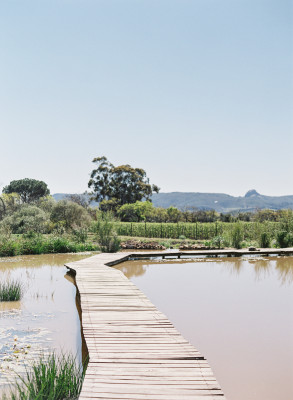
x: 220, y: 202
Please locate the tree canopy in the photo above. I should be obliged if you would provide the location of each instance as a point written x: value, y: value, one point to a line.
x: 123, y: 183
x: 29, y: 190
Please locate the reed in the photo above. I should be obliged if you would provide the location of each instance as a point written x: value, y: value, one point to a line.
x: 52, y: 378
x: 11, y: 290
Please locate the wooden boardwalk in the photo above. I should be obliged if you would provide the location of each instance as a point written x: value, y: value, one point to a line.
x: 135, y: 353
x: 212, y: 253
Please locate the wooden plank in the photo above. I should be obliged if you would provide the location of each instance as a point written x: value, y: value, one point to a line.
x: 135, y: 352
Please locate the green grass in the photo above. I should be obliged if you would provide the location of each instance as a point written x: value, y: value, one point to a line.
x: 11, y: 291
x: 42, y: 244
x: 233, y: 234
x: 50, y: 378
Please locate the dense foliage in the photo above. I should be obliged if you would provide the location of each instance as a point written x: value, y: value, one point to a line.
x: 49, y: 226
x: 123, y: 183
x: 29, y: 190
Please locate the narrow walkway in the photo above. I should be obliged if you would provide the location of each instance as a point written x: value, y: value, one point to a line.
x: 135, y: 353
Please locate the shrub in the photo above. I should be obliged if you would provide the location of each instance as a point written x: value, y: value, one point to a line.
x: 70, y: 214
x: 218, y: 241
x: 27, y: 218
x: 80, y: 235
x: 106, y: 234
x: 264, y: 240
x: 281, y: 239
x: 8, y: 247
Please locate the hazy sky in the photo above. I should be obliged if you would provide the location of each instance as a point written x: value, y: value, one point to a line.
x: 199, y: 93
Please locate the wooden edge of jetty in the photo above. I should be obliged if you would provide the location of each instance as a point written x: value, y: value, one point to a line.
x: 135, y: 353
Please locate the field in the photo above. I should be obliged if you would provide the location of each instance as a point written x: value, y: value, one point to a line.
x: 249, y: 233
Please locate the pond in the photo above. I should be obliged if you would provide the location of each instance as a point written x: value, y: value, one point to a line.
x: 46, y: 319
x: 237, y: 312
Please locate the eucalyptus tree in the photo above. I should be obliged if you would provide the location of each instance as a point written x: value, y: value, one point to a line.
x: 124, y: 183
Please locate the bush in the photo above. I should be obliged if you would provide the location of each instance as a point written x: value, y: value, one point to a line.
x: 70, y: 214
x: 9, y: 247
x: 283, y: 239
x: 218, y: 241
x: 57, y: 244
x: 80, y: 235
x: 105, y: 232
x: 264, y: 240
x: 27, y: 218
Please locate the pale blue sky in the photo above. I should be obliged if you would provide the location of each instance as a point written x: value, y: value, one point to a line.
x: 196, y: 92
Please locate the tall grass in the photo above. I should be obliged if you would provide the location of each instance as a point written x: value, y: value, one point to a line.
x: 230, y: 232
x: 50, y: 378
x: 11, y: 291
x: 41, y: 244
x: 236, y: 236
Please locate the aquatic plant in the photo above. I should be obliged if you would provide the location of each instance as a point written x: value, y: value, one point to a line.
x: 11, y: 290
x: 54, y: 377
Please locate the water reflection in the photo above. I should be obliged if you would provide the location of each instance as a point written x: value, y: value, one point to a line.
x: 34, y: 261
x: 263, y: 266
x: 134, y: 268
x: 284, y: 266
x: 45, y: 319
x: 238, y: 312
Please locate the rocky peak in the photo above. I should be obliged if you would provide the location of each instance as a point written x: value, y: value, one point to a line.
x: 252, y: 193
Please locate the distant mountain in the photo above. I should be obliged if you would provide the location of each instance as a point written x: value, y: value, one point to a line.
x: 219, y: 202
x: 63, y: 196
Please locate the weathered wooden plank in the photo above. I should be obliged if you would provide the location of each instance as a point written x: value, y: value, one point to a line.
x: 135, y: 352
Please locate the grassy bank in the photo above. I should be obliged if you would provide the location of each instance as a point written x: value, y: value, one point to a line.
x: 103, y: 236
x: 42, y: 244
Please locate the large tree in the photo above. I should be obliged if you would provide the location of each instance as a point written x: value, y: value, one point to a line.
x: 123, y: 183
x: 29, y: 190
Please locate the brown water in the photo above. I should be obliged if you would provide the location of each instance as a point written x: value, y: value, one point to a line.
x: 45, y: 319
x: 237, y: 312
